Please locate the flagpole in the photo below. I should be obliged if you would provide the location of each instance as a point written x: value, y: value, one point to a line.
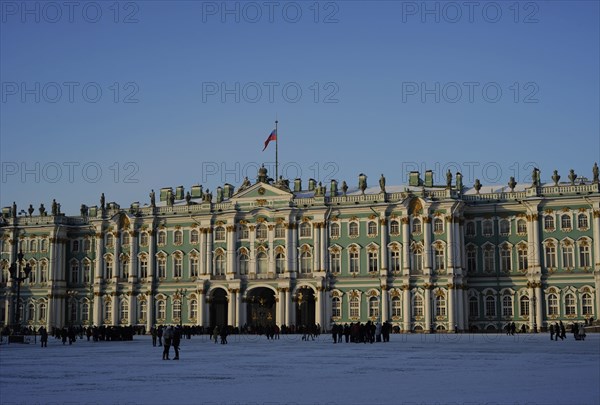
x: 276, y: 157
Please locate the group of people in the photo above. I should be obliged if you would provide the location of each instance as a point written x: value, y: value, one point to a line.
x: 362, y: 333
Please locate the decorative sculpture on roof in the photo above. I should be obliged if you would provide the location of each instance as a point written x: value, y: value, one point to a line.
x: 382, y: 183
x: 30, y: 210
x: 448, y: 179
x: 344, y: 187
x: 42, y: 210
x: 245, y: 184
x: 556, y: 177
x: 595, y: 173
x: 55, y: 207
x: 152, y: 198
x: 362, y: 182
x: 572, y: 177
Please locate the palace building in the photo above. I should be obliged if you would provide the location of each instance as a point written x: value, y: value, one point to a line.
x: 424, y: 257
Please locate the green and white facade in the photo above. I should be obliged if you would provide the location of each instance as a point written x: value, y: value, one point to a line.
x: 422, y: 256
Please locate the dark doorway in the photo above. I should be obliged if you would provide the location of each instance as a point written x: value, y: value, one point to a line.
x: 305, y: 307
x: 218, y: 308
x: 261, y: 307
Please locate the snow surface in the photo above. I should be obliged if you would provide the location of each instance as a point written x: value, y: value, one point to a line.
x: 411, y: 369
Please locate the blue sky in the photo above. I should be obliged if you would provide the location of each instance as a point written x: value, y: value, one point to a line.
x: 126, y: 97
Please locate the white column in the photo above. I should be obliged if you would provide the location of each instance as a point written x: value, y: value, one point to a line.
x: 450, y: 232
x: 427, y: 248
x: 539, y: 305
x: 294, y: 250
x: 460, y: 301
x: 288, y: 248
x: 231, y: 262
x: 271, y: 256
x: 406, y: 309
x: 531, y: 295
x: 115, y: 309
x: 149, y: 312
x: 405, y: 246
x: 317, y: 244
x: 238, y: 309
x: 208, y: 250
x: 596, y: 244
x: 243, y: 311
x: 384, y: 304
x: 384, y: 250
x: 151, y: 259
x: 201, y: 305
x: 202, y: 249
x: 287, y: 306
x: 97, y: 314
x: 252, y: 258
x: 133, y: 270
x: 231, y: 307
x: 537, y: 246
x: 451, y: 307
x: 117, y: 260
x: 280, y: 318
x: 323, y: 247
x: 427, y: 309
x: 319, y: 306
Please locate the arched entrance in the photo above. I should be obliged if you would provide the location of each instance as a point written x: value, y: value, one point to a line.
x: 218, y: 308
x: 261, y: 307
x: 305, y: 306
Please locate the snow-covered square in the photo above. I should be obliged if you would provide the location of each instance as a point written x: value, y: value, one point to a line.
x: 411, y: 369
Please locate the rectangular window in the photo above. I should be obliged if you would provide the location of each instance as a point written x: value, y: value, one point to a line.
x: 584, y: 256
x: 488, y: 260
x: 395, y: 260
x: 471, y: 260
x: 336, y: 265
x: 522, y: 259
x: 550, y: 257
x: 194, y: 266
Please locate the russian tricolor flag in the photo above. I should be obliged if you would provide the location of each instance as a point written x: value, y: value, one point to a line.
x: 272, y: 137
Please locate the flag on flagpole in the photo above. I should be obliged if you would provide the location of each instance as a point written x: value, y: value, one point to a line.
x: 272, y: 137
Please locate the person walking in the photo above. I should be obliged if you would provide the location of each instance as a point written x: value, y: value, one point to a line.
x: 168, y: 336
x: 43, y: 336
x: 215, y: 334
x: 176, y: 342
x: 153, y: 333
x: 552, y: 332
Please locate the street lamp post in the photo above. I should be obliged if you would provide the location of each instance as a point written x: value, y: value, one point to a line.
x: 15, y: 275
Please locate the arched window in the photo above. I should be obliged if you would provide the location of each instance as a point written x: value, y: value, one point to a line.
x: 177, y: 266
x: 354, y: 307
x: 334, y: 230
x: 552, y: 304
x: 144, y: 239
x: 584, y: 254
x: 193, y: 309
x: 244, y: 232
x: 521, y: 227
x: 570, y: 305
x: 394, y: 227
x: 85, y: 312
x: 243, y: 264
x: 440, y: 305
x: 470, y: 229
x: 305, y: 262
x: 162, y: 238
x: 395, y: 263
x: 194, y: 236
x: 143, y: 263
x: 261, y: 260
x: 417, y: 259
x: 396, y: 307
x: 75, y: 272
x: 567, y: 255
x: 586, y: 304
x: 487, y: 228
x: 504, y: 227
x: 107, y: 310
x: 143, y: 310
x: 490, y: 306
x: 305, y: 230
x: 416, y: 226
x: 177, y: 309
x: 438, y: 226
x: 505, y: 258
x: 372, y: 228
x: 522, y: 253
x: 279, y: 231
x: 42, y: 314
x: 108, y: 267
x: 220, y: 234
x: 126, y: 239
x: 353, y: 229
x: 178, y: 237
x: 582, y: 221
x: 373, y: 307
x: 279, y: 263
x: 549, y: 223
x: 524, y: 305
x: 354, y: 259
x: 110, y: 240
x: 220, y: 264
x: 488, y: 259
x: 373, y: 261
x: 550, y: 255
x: 261, y: 231
x: 418, y: 306
x: 440, y: 258
x: 162, y: 310
x: 30, y: 312
x: 124, y: 311
x: 194, y: 263
x: 565, y: 222
x: 335, y: 261
x: 507, y: 306
x: 336, y: 307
